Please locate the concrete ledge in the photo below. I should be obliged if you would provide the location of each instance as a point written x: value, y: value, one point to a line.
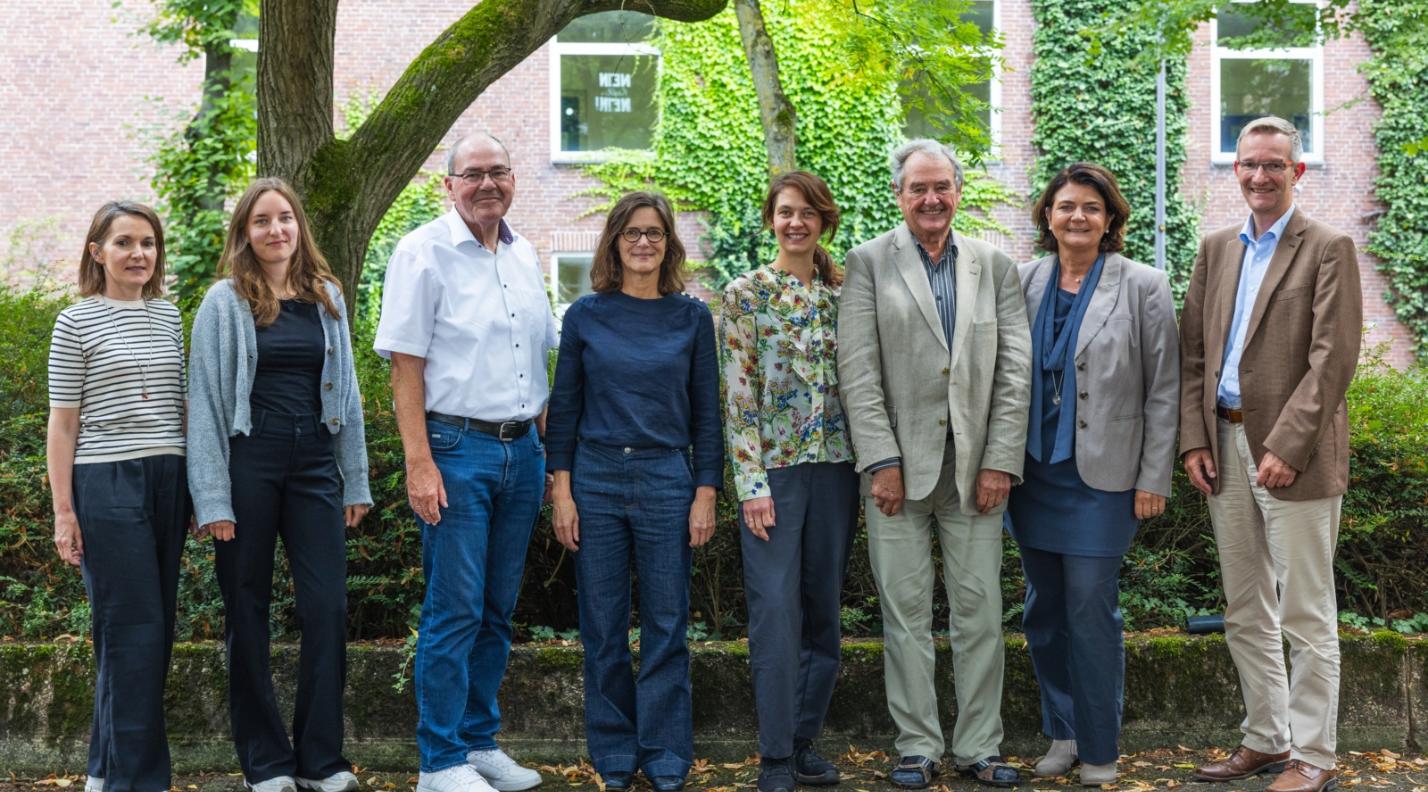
x: 1179, y: 691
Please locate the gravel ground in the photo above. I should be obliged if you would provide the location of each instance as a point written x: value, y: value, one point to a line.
x: 865, y: 772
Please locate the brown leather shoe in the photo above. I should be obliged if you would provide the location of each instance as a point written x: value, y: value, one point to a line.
x: 1300, y: 776
x: 1243, y: 763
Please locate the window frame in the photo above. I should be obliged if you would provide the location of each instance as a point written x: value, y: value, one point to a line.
x: 1314, y: 54
x: 561, y: 307
x: 559, y: 49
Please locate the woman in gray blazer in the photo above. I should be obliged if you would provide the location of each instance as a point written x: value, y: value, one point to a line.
x: 1099, y: 452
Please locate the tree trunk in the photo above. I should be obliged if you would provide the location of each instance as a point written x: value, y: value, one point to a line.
x: 348, y: 185
x: 776, y: 113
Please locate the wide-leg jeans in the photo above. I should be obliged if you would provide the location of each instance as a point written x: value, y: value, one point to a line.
x: 634, y: 505
x: 285, y: 484
x: 132, y: 515
x: 794, y: 582
x: 473, y: 560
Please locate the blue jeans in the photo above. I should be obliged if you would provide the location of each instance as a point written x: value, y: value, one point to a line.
x: 473, y: 561
x: 1074, y: 633
x: 635, y: 503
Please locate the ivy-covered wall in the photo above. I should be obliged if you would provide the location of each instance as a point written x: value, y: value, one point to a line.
x: 1397, y: 31
x: 1101, y: 109
x: 708, y: 146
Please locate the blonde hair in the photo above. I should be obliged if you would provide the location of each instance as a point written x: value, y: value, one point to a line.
x: 308, y: 272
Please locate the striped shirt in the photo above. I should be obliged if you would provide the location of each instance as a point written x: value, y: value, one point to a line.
x: 103, y: 355
x: 942, y: 276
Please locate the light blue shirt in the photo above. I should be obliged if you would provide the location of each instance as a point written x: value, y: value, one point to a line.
x: 1258, y: 253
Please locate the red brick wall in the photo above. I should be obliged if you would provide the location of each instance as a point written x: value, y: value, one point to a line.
x: 75, y: 118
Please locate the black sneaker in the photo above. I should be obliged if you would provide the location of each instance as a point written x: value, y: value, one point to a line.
x: 812, y: 769
x: 775, y: 775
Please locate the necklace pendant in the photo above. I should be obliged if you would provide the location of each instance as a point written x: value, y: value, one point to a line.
x: 1055, y: 398
x: 145, y: 394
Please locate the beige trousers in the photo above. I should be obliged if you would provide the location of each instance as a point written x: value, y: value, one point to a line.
x: 900, y: 548
x: 1277, y: 565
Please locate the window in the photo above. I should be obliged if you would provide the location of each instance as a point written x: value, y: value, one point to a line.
x: 570, y: 278
x: 982, y: 13
x: 1284, y: 80
x: 603, y: 92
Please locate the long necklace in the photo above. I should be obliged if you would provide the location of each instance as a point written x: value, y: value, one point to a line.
x: 148, y: 342
x: 1056, y: 386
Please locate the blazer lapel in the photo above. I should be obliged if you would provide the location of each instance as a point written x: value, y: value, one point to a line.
x: 909, y: 264
x: 1103, y: 299
x: 1036, y: 286
x: 1278, y: 267
x: 969, y: 280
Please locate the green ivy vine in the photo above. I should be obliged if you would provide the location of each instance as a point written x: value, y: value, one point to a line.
x: 1101, y: 108
x: 708, y: 152
x: 1397, y: 33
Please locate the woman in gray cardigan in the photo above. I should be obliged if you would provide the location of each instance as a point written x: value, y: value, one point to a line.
x: 276, y: 449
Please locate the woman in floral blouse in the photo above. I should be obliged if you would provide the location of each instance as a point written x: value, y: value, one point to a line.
x: 793, y: 471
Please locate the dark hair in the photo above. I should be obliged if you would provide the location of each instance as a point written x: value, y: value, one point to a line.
x: 91, y: 272
x: 1104, y: 182
x: 815, y: 191
x: 607, y: 272
x: 307, y: 272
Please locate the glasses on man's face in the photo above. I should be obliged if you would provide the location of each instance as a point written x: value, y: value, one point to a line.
x: 632, y: 235
x: 476, y: 177
x: 1272, y: 167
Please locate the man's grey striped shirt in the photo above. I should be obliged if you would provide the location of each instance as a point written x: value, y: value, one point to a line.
x: 942, y: 276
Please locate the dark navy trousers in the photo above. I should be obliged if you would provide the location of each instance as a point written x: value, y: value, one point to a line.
x: 285, y: 484
x: 132, y: 515
x: 1074, y: 632
x: 794, y: 584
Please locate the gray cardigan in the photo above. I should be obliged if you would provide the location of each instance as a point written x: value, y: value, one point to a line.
x: 222, y: 364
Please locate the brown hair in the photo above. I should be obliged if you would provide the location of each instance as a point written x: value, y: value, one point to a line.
x: 607, y: 271
x: 1102, y: 181
x: 815, y: 191
x: 91, y: 272
x: 308, y: 271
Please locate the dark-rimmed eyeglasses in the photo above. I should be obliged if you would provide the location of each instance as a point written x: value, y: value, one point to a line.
x: 632, y: 235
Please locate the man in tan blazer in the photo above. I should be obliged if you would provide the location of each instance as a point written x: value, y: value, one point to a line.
x: 1269, y: 341
x: 935, y: 371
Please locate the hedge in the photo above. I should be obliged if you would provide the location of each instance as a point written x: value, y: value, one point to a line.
x: 1170, y: 571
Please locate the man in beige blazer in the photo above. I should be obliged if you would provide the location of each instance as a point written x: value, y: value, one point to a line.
x: 934, y: 365
x: 1269, y: 341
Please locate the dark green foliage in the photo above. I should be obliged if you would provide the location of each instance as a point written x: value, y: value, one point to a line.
x: 1397, y: 30
x: 1170, y: 571
x: 1101, y: 108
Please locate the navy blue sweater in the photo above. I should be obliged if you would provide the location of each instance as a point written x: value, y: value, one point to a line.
x: 637, y: 373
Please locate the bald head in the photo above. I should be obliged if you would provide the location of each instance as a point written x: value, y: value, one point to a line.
x: 474, y: 141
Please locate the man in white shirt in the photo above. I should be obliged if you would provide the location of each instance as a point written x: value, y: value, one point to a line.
x: 467, y: 325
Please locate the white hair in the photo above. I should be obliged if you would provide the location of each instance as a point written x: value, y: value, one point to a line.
x: 898, y: 159
x: 466, y: 140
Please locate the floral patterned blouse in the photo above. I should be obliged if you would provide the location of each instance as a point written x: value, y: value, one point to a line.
x: 778, y: 349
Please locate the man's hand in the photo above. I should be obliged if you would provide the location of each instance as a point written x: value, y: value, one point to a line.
x: 993, y: 487
x: 352, y: 515
x: 425, y: 491
x: 887, y: 490
x: 1148, y: 504
x: 701, y: 516
x: 221, y: 531
x: 565, y: 520
x: 1274, y: 472
x: 1201, y: 468
x: 759, y: 516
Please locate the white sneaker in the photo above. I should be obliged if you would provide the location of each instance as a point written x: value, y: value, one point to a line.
x: 1096, y: 775
x: 275, y: 784
x: 461, y: 778
x: 340, y: 781
x: 93, y: 784
x: 502, y: 771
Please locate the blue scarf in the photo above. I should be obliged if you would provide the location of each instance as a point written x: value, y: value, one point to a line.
x: 1053, y: 352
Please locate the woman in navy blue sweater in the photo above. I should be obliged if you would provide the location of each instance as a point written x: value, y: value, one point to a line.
x: 634, y: 440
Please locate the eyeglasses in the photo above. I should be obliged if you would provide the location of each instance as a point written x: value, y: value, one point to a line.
x: 1272, y: 167
x: 654, y: 235
x: 476, y: 177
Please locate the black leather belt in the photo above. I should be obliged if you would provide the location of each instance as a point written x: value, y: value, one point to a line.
x: 506, y: 431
